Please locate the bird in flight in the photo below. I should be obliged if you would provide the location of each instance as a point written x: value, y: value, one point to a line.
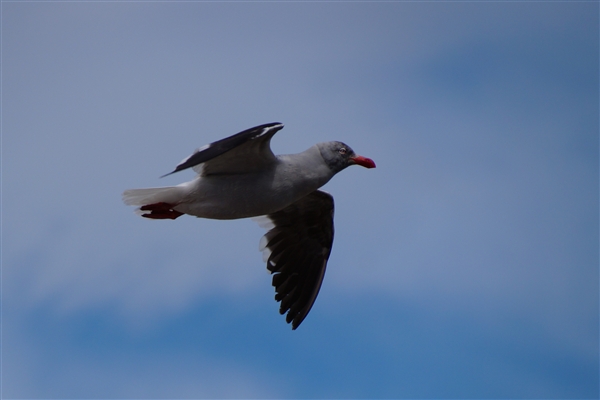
x: 240, y: 177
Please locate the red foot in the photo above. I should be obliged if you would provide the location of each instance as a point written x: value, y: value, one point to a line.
x: 160, y: 211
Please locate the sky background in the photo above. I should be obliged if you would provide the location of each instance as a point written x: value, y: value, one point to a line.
x: 464, y: 266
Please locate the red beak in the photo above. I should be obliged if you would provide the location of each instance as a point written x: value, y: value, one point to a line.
x: 363, y: 161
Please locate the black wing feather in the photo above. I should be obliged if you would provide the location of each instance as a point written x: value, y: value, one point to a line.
x: 222, y: 146
x: 300, y: 244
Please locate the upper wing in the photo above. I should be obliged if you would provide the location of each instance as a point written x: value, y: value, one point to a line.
x: 296, y: 250
x: 246, y: 151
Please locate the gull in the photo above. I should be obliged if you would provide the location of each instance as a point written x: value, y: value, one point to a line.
x: 240, y: 177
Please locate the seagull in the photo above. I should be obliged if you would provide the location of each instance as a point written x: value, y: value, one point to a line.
x: 240, y: 177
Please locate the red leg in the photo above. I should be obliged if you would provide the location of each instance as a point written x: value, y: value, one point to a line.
x: 160, y: 211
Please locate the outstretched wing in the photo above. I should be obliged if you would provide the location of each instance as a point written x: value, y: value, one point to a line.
x: 296, y: 249
x: 246, y: 151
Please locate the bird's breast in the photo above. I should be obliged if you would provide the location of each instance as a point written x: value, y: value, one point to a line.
x: 234, y: 197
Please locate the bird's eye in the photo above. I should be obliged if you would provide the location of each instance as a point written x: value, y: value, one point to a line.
x: 342, y: 150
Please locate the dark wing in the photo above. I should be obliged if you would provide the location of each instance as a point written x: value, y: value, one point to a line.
x: 296, y: 250
x: 246, y: 151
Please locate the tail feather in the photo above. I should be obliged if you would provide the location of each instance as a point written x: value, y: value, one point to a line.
x: 142, y: 197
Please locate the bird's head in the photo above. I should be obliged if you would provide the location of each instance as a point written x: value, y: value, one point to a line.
x: 339, y: 155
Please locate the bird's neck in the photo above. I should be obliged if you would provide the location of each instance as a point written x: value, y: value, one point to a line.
x: 308, y: 168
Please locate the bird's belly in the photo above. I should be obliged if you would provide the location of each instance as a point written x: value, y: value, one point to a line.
x: 233, y: 199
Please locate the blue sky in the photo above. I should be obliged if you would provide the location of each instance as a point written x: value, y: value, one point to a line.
x: 464, y: 266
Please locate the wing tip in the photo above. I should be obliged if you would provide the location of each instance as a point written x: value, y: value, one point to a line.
x: 267, y: 128
x: 165, y: 175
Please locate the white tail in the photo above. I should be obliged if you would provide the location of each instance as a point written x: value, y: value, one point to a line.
x: 142, y: 197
